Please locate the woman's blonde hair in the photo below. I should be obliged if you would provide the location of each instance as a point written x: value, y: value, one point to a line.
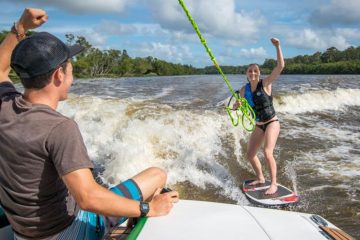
x: 252, y: 65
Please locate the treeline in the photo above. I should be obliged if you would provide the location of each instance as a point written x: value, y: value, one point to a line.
x: 94, y: 62
x: 332, y: 61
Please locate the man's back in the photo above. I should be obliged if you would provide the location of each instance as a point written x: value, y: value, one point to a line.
x: 41, y: 151
x: 35, y: 140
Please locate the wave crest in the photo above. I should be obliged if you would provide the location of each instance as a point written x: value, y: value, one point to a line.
x: 317, y: 101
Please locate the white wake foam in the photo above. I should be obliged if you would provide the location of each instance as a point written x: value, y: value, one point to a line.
x: 127, y: 136
x: 317, y: 101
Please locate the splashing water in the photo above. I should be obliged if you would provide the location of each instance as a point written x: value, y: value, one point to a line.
x: 179, y: 124
x: 291, y: 174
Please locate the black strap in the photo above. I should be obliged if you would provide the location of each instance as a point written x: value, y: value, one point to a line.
x: 238, y: 93
x: 97, y: 228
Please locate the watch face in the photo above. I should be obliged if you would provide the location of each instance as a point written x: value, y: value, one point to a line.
x: 144, y: 208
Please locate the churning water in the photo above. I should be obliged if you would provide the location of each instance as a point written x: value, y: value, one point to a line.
x: 179, y: 124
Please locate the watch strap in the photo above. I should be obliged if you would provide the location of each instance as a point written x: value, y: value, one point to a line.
x: 14, y: 30
x: 144, y: 209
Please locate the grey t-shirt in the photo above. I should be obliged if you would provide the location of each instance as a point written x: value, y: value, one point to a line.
x: 37, y: 146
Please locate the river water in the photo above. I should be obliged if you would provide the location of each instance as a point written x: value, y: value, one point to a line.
x: 179, y: 123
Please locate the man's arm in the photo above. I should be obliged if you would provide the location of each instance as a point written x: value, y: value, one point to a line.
x: 92, y: 197
x: 30, y: 19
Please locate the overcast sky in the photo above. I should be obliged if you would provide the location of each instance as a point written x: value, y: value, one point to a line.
x: 237, y: 31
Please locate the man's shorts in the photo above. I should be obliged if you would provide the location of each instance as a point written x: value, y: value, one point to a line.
x: 91, y: 226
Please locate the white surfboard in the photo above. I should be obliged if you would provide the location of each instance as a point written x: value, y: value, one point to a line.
x: 256, y: 194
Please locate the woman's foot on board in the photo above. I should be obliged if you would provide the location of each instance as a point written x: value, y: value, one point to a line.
x: 272, y: 189
x: 257, y: 181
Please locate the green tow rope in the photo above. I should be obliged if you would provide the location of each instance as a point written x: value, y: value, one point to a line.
x: 137, y: 229
x: 246, y: 110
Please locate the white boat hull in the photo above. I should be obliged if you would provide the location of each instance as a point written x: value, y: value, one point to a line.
x: 210, y: 221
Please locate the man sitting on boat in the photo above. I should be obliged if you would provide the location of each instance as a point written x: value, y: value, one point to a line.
x: 47, y: 189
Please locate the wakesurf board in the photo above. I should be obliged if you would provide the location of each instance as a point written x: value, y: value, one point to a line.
x: 281, y: 198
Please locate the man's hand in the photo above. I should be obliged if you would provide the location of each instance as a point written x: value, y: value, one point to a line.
x: 161, y: 204
x: 30, y: 19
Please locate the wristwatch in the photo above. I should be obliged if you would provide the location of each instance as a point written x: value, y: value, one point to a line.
x: 144, y: 209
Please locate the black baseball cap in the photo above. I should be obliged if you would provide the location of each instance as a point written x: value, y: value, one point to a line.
x: 40, y: 54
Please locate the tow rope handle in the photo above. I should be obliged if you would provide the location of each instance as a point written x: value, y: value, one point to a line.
x: 247, y: 114
x: 246, y: 110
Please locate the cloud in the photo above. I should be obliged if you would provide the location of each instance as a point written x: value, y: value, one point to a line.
x: 217, y: 17
x: 235, y: 30
x: 337, y: 12
x: 254, y: 53
x: 172, y: 53
x: 95, y: 38
x: 348, y: 33
x: 177, y: 36
x: 233, y: 56
x: 318, y: 39
x: 143, y: 29
x: 84, y: 6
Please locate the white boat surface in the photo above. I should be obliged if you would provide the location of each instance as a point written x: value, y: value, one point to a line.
x: 208, y: 220
x: 199, y: 220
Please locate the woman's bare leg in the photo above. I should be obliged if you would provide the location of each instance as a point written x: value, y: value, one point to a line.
x: 271, y: 136
x: 253, y: 146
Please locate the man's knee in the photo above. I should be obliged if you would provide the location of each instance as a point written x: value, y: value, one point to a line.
x: 159, y: 174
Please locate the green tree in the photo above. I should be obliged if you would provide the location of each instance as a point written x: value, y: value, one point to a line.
x: 269, y: 63
x: 70, y: 38
x: 330, y: 55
